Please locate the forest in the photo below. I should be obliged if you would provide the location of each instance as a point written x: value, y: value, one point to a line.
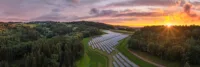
x: 44, y: 43
x: 175, y: 43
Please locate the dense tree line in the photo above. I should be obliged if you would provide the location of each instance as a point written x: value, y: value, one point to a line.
x: 94, y: 24
x: 42, y: 44
x: 103, y: 25
x: 125, y: 28
x: 177, y: 43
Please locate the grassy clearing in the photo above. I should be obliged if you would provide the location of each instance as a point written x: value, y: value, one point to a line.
x: 84, y: 62
x: 97, y: 59
x: 92, y: 58
x: 122, y: 47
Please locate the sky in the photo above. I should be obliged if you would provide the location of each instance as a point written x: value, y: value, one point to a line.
x: 136, y: 13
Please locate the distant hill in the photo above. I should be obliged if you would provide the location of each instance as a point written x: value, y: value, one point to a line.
x: 86, y: 23
x: 94, y: 24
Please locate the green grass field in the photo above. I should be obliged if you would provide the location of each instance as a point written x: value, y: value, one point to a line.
x: 92, y: 58
x: 122, y: 47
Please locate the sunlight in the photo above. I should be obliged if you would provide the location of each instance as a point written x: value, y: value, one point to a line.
x: 169, y: 25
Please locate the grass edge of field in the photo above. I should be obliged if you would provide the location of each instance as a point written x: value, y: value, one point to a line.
x: 85, y: 60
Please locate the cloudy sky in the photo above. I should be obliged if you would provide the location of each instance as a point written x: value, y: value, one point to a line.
x: 116, y: 12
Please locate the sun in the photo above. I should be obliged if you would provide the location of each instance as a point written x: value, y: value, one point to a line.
x: 169, y: 25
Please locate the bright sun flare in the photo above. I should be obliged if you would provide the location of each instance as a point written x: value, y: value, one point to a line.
x: 169, y: 25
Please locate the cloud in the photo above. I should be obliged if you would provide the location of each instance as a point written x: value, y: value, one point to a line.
x: 187, y: 8
x: 35, y: 9
x: 54, y: 15
x: 50, y: 17
x: 196, y: 3
x: 117, y: 20
x: 13, y: 19
x: 188, y: 14
x: 56, y: 10
x: 143, y: 3
x: 76, y: 1
x: 94, y: 11
x: 110, y: 15
x: 97, y: 13
x: 140, y: 14
x: 22, y: 8
x: 123, y: 13
x: 180, y: 2
x: 70, y: 10
x: 110, y: 19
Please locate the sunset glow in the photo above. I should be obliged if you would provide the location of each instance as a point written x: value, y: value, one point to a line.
x: 134, y: 13
x: 169, y: 25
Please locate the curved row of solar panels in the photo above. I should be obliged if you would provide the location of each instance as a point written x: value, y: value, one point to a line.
x: 107, y: 41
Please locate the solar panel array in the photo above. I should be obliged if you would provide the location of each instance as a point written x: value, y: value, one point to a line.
x: 107, y: 41
x: 121, y: 61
